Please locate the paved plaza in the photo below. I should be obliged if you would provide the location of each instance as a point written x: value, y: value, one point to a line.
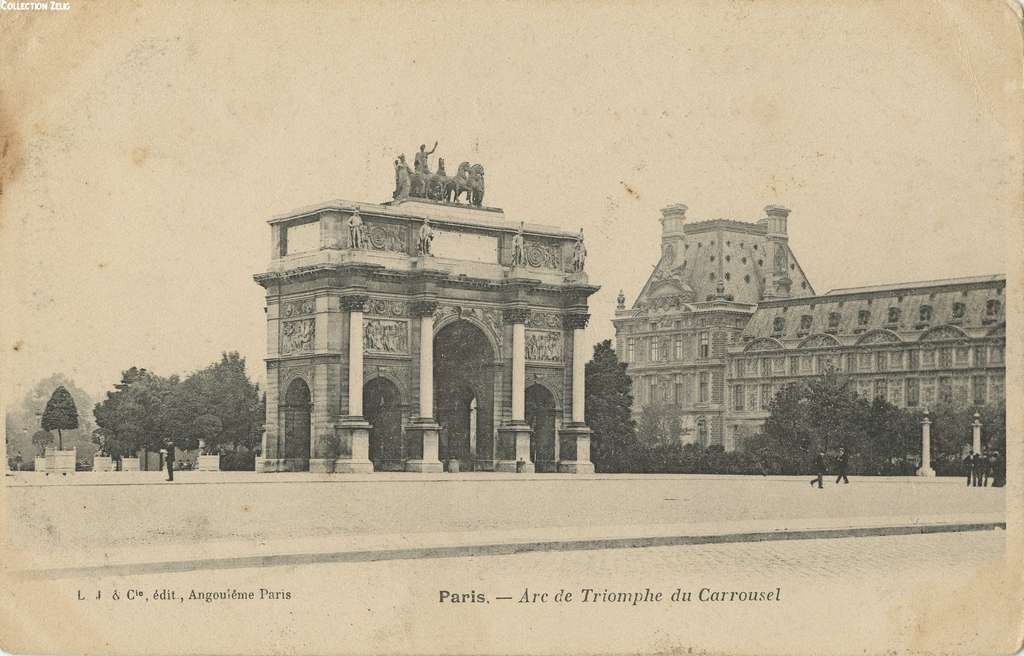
x: 249, y: 507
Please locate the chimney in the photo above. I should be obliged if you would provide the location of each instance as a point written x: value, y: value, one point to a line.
x: 672, y: 234
x: 776, y: 215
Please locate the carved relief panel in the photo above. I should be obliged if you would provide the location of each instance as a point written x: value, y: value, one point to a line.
x: 297, y: 336
x: 544, y: 255
x: 386, y: 336
x: 387, y: 237
x: 544, y: 345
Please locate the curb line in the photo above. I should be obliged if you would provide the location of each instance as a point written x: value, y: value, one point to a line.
x: 496, y: 549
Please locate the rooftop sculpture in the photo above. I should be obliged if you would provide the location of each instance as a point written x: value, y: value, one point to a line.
x: 439, y: 186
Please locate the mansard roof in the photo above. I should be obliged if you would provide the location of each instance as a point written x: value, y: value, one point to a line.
x: 719, y: 250
x: 938, y: 309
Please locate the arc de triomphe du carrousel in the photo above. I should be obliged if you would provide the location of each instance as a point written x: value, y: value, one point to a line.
x: 426, y: 333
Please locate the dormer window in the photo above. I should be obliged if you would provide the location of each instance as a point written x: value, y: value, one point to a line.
x: 805, y: 322
x: 779, y: 325
x: 894, y: 315
x: 834, y: 319
x: 863, y: 317
x: 925, y: 314
x: 959, y: 310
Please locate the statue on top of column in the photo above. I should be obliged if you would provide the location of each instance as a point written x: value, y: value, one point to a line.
x: 426, y: 235
x: 518, y: 247
x: 356, y: 231
x: 579, y: 253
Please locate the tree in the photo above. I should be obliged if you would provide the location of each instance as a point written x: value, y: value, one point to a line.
x: 60, y: 414
x: 23, y: 419
x: 137, y: 414
x: 609, y: 399
x: 42, y: 439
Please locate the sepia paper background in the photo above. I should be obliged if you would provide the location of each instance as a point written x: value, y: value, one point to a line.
x: 145, y: 144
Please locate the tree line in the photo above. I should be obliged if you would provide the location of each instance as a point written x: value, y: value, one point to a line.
x: 217, y: 408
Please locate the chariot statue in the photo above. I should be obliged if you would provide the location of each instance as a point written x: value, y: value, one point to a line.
x: 467, y: 182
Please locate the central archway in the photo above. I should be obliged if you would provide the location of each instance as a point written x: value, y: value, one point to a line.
x: 464, y: 394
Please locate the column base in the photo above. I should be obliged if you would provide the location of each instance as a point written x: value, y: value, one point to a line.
x: 514, y: 449
x: 926, y: 471
x: 423, y: 435
x: 269, y: 465
x: 340, y: 466
x: 574, y: 450
x: 424, y: 466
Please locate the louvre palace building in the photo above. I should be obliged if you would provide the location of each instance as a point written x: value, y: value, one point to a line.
x: 728, y: 318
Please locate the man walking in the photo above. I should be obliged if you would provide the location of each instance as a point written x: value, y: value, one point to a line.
x: 842, y: 462
x: 170, y: 460
x: 969, y: 467
x: 819, y: 467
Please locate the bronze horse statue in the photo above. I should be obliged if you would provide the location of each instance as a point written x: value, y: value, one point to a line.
x: 469, y: 180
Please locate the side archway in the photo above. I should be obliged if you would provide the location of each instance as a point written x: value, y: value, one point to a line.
x: 382, y: 406
x: 297, y: 412
x: 541, y: 414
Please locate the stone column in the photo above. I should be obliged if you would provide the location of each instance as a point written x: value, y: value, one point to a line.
x: 422, y: 432
x: 518, y: 372
x: 426, y: 359
x: 926, y: 447
x: 574, y: 439
x: 514, y: 438
x: 355, y: 306
x: 352, y: 433
x: 976, y: 433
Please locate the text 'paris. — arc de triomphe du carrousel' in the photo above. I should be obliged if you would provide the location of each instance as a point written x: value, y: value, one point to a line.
x: 426, y: 333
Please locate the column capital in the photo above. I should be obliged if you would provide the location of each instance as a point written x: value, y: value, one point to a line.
x: 354, y: 302
x: 516, y: 314
x: 578, y: 320
x: 424, y: 307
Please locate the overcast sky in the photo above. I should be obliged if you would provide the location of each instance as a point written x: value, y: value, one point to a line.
x: 146, y: 148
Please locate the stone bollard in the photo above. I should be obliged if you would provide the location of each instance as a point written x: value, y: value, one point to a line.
x: 976, y: 433
x: 926, y: 447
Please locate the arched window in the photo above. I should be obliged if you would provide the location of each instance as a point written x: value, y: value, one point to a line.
x: 779, y: 325
x: 894, y: 315
x: 833, y: 319
x: 863, y: 317
x: 992, y: 307
x: 959, y: 310
x: 925, y: 313
x: 806, y: 321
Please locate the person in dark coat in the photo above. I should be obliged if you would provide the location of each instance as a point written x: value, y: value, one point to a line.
x: 842, y: 462
x: 990, y: 470
x: 998, y: 470
x: 969, y: 468
x: 819, y: 467
x: 979, y: 468
x: 170, y: 461
x: 763, y: 462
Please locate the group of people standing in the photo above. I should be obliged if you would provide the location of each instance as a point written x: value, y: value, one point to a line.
x: 980, y: 467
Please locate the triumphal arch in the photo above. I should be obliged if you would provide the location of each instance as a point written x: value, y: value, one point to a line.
x: 424, y: 334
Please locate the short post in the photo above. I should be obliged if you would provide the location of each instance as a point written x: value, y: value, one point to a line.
x: 926, y: 447
x: 976, y: 437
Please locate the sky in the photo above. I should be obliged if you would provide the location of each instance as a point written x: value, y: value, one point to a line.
x: 145, y: 146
